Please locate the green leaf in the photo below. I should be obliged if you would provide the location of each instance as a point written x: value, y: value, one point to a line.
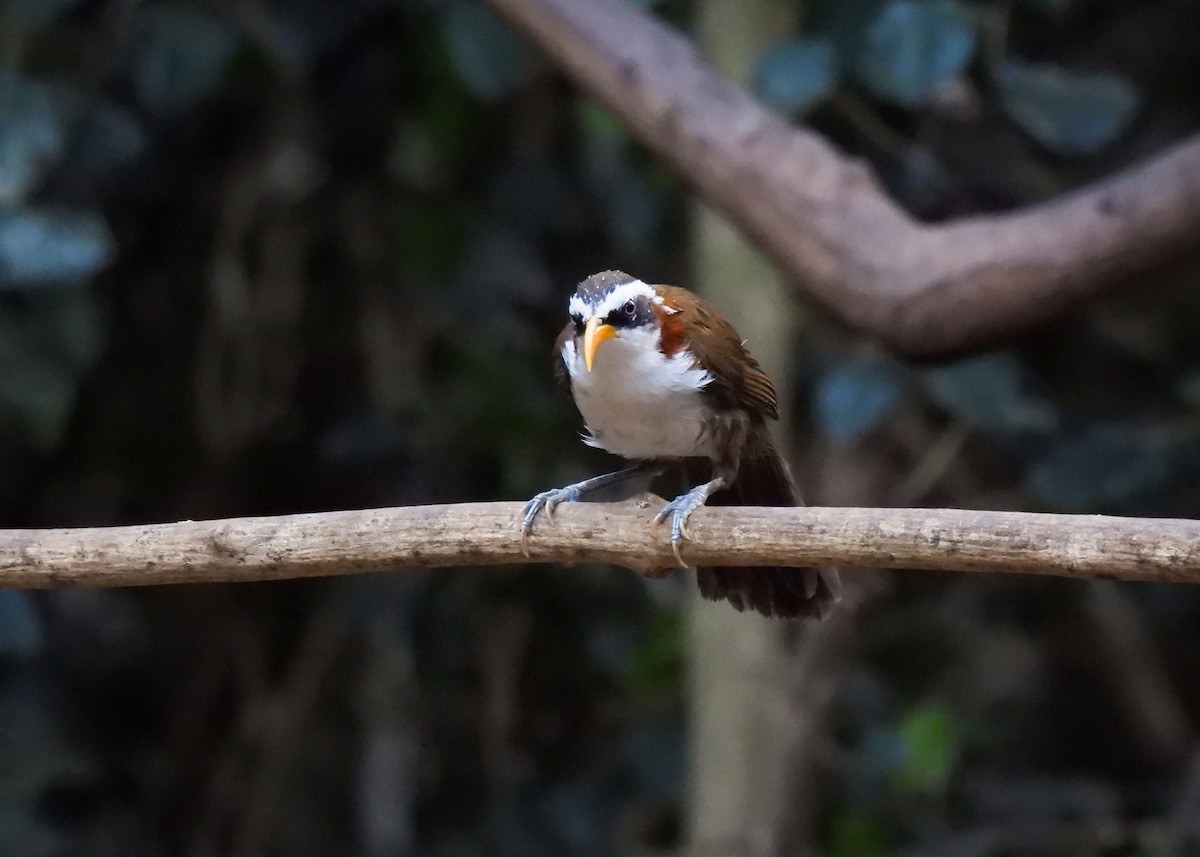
x: 1067, y: 112
x: 930, y: 734
x: 598, y: 126
x: 797, y: 75
x: 432, y: 239
x: 854, y: 398
x: 853, y: 833
x: 913, y: 47
x: 182, y: 59
x: 31, y: 137
x: 51, y: 247
x: 658, y: 661
x: 491, y: 60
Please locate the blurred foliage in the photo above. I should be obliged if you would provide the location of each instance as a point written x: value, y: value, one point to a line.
x: 278, y: 256
x: 1066, y: 112
x: 855, y: 397
x: 911, y: 48
x: 929, y: 736
x: 908, y: 51
x: 797, y: 75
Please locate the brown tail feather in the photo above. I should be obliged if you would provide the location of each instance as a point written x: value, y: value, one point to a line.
x: 784, y: 593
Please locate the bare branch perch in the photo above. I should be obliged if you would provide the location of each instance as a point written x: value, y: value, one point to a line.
x: 920, y: 289
x: 472, y: 534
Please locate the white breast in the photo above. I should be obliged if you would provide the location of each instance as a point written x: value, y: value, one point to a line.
x: 639, y: 403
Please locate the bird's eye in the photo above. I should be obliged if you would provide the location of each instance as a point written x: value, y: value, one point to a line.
x: 578, y: 322
x: 630, y: 309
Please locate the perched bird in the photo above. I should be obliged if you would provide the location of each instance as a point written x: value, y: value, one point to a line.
x: 660, y: 378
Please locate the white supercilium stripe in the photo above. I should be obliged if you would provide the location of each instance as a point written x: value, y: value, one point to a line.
x: 615, y: 299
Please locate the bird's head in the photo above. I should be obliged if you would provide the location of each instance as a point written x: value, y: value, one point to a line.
x: 610, y: 305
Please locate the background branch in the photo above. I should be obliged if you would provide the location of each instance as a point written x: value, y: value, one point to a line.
x: 822, y: 216
x: 469, y: 534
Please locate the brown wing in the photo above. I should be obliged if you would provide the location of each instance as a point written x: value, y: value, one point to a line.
x: 739, y: 382
x: 560, y: 369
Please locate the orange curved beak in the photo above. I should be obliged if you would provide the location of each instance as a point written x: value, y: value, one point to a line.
x: 594, y: 333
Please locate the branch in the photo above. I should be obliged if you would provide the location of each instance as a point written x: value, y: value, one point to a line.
x: 473, y: 534
x: 824, y: 218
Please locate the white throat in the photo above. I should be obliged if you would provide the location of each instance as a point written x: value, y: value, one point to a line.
x: 636, y: 401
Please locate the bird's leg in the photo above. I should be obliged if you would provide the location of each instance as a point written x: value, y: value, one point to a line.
x: 731, y: 437
x: 681, y: 508
x: 575, y: 492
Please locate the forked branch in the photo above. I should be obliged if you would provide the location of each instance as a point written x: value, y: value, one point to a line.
x: 475, y: 534
x: 920, y: 289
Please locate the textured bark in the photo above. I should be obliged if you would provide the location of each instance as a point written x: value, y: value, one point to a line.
x: 472, y: 534
x: 920, y: 289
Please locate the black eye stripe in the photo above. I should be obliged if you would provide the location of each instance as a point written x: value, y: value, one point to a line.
x: 635, y: 312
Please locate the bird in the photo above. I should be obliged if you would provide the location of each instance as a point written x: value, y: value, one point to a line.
x: 663, y: 380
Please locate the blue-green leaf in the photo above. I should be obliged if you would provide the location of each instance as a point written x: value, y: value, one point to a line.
x: 846, y: 24
x: 31, y: 137
x: 797, y: 75
x: 489, y: 56
x: 855, y: 398
x: 1101, y: 468
x: 987, y: 392
x: 913, y: 47
x: 51, y: 247
x: 1067, y: 112
x: 20, y: 627
x: 917, y: 178
x: 111, y: 137
x: 182, y: 59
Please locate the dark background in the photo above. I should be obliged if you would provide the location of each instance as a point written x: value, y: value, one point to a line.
x: 259, y: 258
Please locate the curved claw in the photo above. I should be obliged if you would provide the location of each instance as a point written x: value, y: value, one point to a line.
x: 545, y: 501
x: 676, y: 544
x: 679, y: 510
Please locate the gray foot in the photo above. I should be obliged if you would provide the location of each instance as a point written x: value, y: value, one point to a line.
x: 680, y: 509
x: 546, y: 501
